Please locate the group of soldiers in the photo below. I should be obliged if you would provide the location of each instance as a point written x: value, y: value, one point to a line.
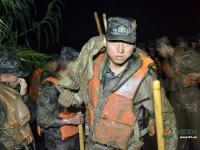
x: 110, y: 82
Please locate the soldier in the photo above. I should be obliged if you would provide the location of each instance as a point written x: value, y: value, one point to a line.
x: 40, y: 74
x: 15, y: 132
x: 114, y: 80
x: 186, y: 100
x: 182, y: 71
x: 57, y: 123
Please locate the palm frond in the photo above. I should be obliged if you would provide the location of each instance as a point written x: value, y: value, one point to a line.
x: 32, y: 58
x: 18, y: 24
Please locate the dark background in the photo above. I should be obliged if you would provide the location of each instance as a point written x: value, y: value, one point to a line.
x: 154, y: 18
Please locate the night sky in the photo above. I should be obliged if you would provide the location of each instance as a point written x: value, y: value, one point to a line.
x: 154, y: 18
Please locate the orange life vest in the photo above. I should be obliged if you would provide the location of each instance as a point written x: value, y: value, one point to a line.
x: 15, y: 130
x: 65, y: 130
x: 35, y: 83
x: 116, y: 124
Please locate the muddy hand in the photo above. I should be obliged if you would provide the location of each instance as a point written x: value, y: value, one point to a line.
x: 23, y: 86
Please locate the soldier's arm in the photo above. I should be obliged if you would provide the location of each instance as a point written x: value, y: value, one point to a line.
x: 145, y: 92
x: 47, y: 104
x: 167, y: 110
x: 78, y: 72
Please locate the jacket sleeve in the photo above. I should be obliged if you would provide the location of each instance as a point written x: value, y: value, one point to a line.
x: 146, y: 90
x: 79, y: 72
x: 48, y: 107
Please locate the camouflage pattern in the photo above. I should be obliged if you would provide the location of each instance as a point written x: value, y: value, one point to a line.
x: 81, y: 71
x: 47, y: 72
x: 186, y: 99
x: 48, y: 109
x: 10, y: 63
x: 121, y: 29
x: 189, y: 61
x: 15, y: 131
x: 68, y: 54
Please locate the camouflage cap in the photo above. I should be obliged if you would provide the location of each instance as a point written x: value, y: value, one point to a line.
x: 121, y: 29
x: 11, y: 64
x: 189, y: 62
x: 68, y: 54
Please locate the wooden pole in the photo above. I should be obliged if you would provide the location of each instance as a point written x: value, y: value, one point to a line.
x: 98, y: 23
x: 158, y: 115
x: 81, y: 135
x: 105, y: 22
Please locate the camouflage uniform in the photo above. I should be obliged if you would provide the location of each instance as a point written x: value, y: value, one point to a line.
x: 15, y: 132
x: 48, y: 110
x: 81, y: 72
x: 185, y: 99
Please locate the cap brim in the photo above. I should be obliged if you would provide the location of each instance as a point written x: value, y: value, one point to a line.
x: 128, y: 39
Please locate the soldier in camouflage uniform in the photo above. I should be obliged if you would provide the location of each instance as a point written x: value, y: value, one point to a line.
x: 40, y: 74
x: 186, y: 100
x: 182, y: 71
x: 50, y: 113
x: 15, y: 132
x: 114, y: 80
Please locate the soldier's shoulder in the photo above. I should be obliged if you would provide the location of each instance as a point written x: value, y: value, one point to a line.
x: 96, y: 42
x: 97, y: 38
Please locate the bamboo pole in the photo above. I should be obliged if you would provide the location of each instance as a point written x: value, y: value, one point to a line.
x: 98, y: 23
x: 158, y: 115
x: 81, y: 135
x: 105, y: 22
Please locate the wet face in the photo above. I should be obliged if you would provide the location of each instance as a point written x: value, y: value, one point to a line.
x: 11, y: 79
x: 119, y: 52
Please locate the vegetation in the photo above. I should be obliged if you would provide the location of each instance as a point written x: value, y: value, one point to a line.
x: 26, y: 29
